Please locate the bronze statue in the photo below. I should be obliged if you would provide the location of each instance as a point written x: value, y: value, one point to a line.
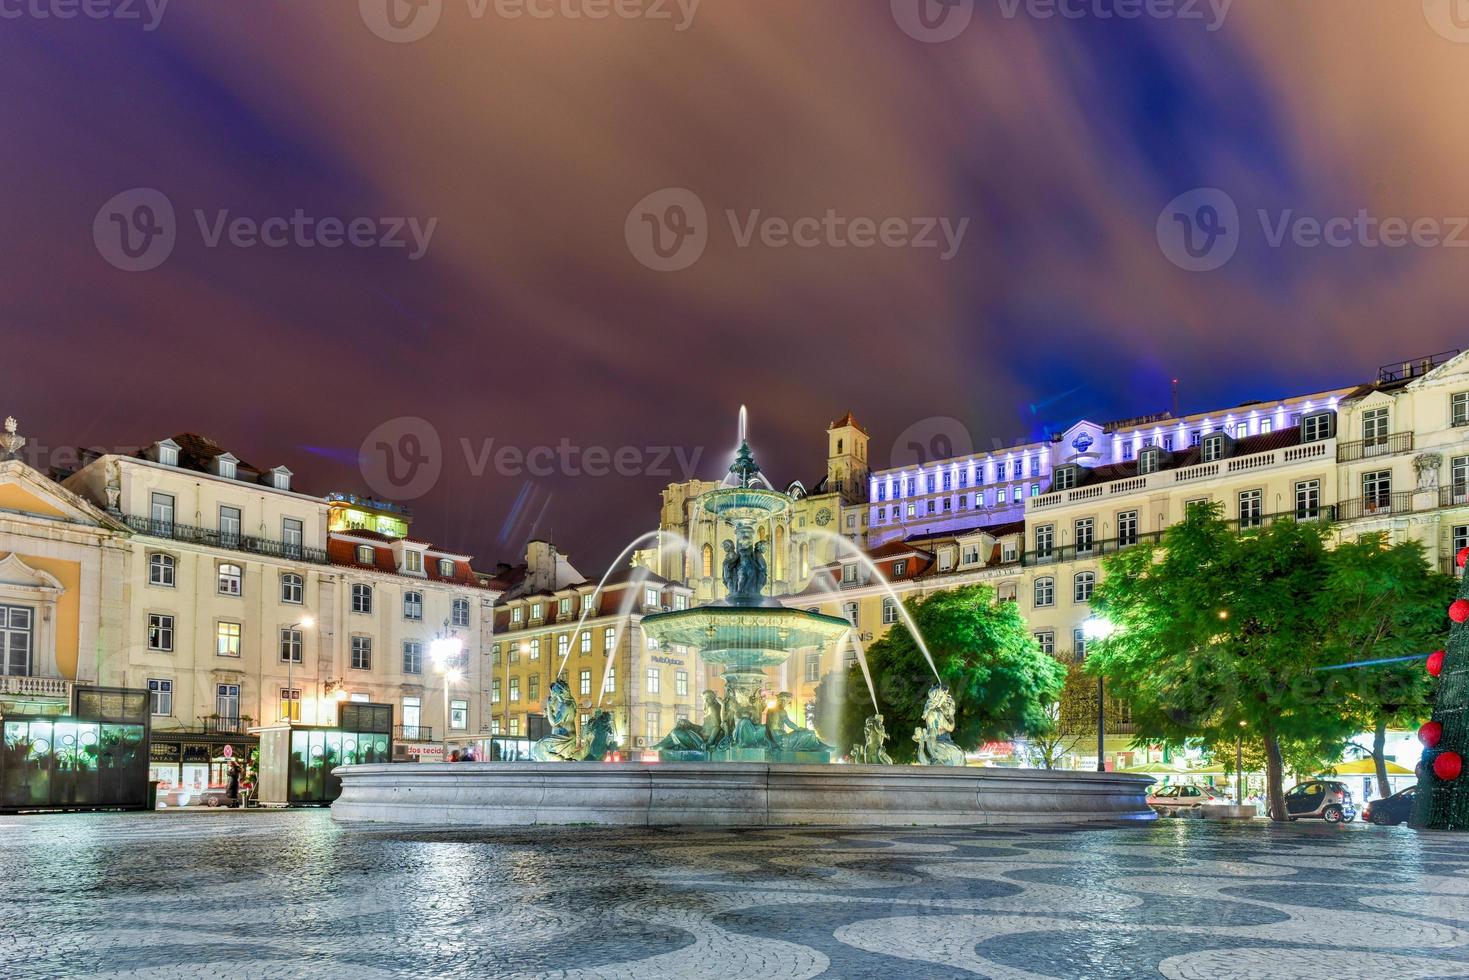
x: 785, y: 734
x: 935, y: 743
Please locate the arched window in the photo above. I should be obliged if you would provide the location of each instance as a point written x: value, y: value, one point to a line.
x: 780, y: 553
x: 1085, y: 583
x: 1045, y: 592
x: 231, y: 579
x: 708, y: 561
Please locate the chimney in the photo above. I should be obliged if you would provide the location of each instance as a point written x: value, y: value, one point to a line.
x: 540, y: 562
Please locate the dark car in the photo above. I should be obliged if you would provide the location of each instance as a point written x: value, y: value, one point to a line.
x: 1393, y: 810
x: 1324, y: 798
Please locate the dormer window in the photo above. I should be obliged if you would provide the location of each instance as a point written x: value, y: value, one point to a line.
x: 412, y: 561
x: 166, y: 452
x: 364, y: 554
x: 224, y: 465
x: 849, y: 573
x: 1213, y: 448
x: 1065, y: 478
x: 1150, y: 460
x: 1318, y: 426
x: 280, y: 478
x: 446, y: 568
x: 900, y: 567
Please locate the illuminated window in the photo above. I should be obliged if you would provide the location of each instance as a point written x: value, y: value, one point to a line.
x: 160, y: 696
x: 458, y: 715
x: 291, y: 703
x: 446, y: 568
x: 585, y: 679
x: 412, y: 560
x: 655, y: 680
x: 364, y: 554
x: 227, y: 640
x: 681, y: 683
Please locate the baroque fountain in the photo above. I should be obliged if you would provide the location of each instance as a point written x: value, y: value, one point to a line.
x: 747, y: 762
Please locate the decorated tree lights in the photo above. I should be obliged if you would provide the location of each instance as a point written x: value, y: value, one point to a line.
x: 1443, y: 786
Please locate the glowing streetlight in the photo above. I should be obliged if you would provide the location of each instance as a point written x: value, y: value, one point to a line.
x: 1099, y: 628
x: 444, y: 651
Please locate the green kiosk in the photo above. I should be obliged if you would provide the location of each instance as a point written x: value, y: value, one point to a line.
x: 296, y: 761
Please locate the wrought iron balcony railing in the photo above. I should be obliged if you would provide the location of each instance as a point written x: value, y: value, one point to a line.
x: 1398, y: 442
x: 228, y: 540
x: 413, y: 733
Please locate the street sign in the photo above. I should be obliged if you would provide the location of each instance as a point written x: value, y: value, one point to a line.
x: 229, y: 752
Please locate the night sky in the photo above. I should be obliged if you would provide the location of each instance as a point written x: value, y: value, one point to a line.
x: 530, y: 319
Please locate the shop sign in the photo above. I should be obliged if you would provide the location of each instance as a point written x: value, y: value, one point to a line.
x: 197, y: 753
x: 164, y: 751
x: 425, y: 753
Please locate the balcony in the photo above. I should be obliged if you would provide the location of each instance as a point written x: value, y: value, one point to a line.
x: 35, y: 687
x: 1109, y: 546
x: 227, y: 540
x: 1403, y: 502
x: 413, y: 733
x: 1398, y: 442
x: 226, y: 726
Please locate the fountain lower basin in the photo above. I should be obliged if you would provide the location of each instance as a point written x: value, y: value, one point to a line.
x: 730, y: 794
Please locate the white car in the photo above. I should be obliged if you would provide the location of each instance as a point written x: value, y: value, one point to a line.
x: 1170, y: 800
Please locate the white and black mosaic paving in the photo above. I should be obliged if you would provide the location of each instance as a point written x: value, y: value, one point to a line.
x: 290, y: 894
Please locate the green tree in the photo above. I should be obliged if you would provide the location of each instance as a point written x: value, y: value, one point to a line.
x: 1385, y: 602
x: 1212, y: 628
x: 1071, y: 720
x: 984, y: 652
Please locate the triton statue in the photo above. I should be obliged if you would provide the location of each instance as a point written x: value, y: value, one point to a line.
x: 935, y: 745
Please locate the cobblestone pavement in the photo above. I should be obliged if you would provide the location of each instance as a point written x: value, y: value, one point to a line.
x: 290, y: 894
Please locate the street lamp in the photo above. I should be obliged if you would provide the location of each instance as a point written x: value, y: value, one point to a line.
x: 305, y: 623
x: 1098, y: 628
x: 444, y: 651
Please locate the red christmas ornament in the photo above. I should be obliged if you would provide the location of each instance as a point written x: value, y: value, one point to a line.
x: 1435, y: 663
x: 1462, y: 557
x: 1447, y: 766
x: 1430, y: 733
x: 1459, y: 611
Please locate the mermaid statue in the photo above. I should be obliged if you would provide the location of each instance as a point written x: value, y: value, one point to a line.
x: 561, y: 745
x: 785, y: 734
x: 935, y: 742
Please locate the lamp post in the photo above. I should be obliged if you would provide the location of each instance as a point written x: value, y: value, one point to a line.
x: 1097, y: 628
x: 444, y: 652
x: 1239, y: 766
x: 305, y: 623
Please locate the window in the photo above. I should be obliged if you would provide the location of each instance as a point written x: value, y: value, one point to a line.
x: 889, y: 611
x: 413, y: 718
x: 290, y: 645
x: 1078, y: 643
x: 852, y: 610
x: 291, y: 536
x: 412, y: 657
x: 1374, y: 428
x: 1461, y: 541
x: 1045, y: 540
x: 161, y: 570
x: 1459, y: 477
x: 231, y: 579
x: 1064, y: 478
x: 1126, y: 451
x: 609, y: 639
x: 1308, y: 500
x: 533, y: 687
x: 900, y: 568
x: 1046, y: 640
x: 1085, y: 535
x: 227, y: 640
x: 412, y: 561
x: 680, y: 601
x: 1250, y: 508
x: 446, y: 568
x: 681, y: 683
x: 160, y: 632
x: 650, y: 598
x: 912, y: 510
x: 458, y: 715
x: 1149, y: 460
x: 849, y: 573
x: 514, y: 726
x: 1045, y: 592
x: 362, y: 598
x: 654, y: 724
x: 364, y: 554
x: 361, y: 653
x: 1459, y: 409
x: 1195, y: 437
x: 1377, y: 490
x: 459, y: 613
x: 1018, y: 495
x: 585, y: 642
x: 563, y: 645
x: 1318, y: 426
x: 1083, y: 586
x: 517, y: 614
x: 168, y: 453
x: 495, y: 690
x: 227, y: 702
x: 229, y: 527
x: 1126, y: 528
x: 1213, y: 449
x: 970, y: 555
x: 611, y: 680
x: 292, y: 588
x: 160, y: 696
x: 813, y: 668
x: 584, y: 680
x: 655, y: 680
x: 161, y: 513
x: 1266, y: 424
x: 413, y: 605
x: 706, y: 561
x: 535, y: 649
x: 291, y: 703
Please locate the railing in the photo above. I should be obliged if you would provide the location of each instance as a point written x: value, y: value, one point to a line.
x: 228, y: 540
x: 1391, y: 445
x: 413, y: 733
x: 1404, y: 502
x: 225, y: 726
x: 1449, y: 565
x: 1414, y: 369
x: 35, y: 687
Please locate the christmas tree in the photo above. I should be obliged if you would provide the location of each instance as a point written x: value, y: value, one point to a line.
x: 1443, y: 787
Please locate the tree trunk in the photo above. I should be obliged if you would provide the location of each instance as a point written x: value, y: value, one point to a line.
x: 1275, y: 778
x: 1379, y: 742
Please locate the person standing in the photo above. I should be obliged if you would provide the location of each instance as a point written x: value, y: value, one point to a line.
x: 232, y: 794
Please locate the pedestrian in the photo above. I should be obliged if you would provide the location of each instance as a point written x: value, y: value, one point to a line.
x: 454, y: 756
x: 232, y: 794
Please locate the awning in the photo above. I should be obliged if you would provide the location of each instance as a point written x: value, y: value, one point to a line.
x: 1364, y: 767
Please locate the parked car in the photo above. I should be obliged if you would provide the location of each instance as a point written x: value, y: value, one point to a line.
x: 1392, y: 810
x: 1326, y: 799
x: 1170, y: 800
